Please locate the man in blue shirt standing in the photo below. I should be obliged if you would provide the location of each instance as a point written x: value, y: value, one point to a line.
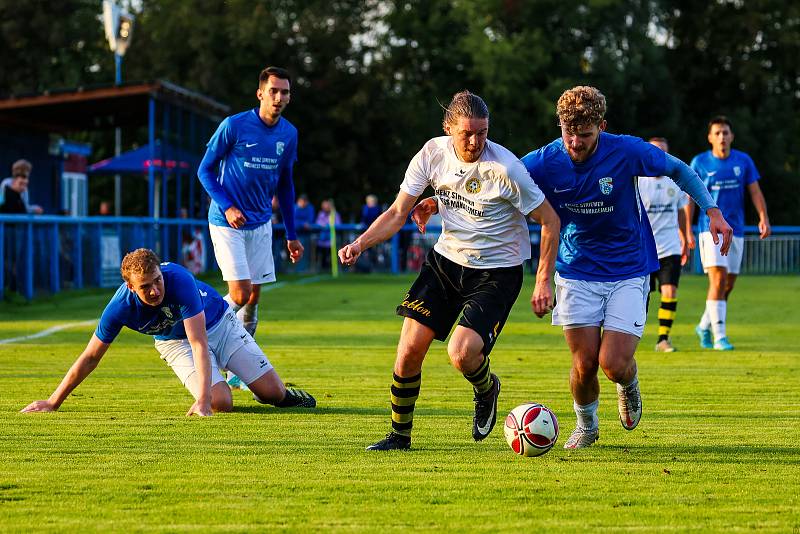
x: 726, y: 173
x: 607, y: 250
x: 248, y: 160
x: 195, y: 332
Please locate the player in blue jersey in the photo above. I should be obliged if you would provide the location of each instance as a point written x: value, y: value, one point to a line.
x: 195, y: 332
x: 607, y: 251
x: 726, y: 173
x: 248, y: 160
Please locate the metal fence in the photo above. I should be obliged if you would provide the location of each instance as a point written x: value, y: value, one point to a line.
x: 46, y: 254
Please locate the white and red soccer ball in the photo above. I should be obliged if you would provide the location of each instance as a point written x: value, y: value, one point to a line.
x: 531, y: 429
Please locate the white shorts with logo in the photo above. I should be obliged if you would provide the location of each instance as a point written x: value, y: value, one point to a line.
x: 711, y: 257
x: 229, y: 346
x: 244, y: 254
x: 619, y: 306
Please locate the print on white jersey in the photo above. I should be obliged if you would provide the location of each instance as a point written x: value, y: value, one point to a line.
x: 483, y: 205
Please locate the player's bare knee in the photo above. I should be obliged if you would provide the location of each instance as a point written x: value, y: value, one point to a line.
x: 221, y: 398
x: 240, y: 296
x: 585, y: 368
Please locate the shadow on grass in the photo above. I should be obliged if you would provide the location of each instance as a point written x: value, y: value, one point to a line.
x: 727, y: 453
x: 345, y: 410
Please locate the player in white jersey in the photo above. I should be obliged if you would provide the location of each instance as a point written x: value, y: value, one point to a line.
x: 664, y: 202
x: 473, y: 275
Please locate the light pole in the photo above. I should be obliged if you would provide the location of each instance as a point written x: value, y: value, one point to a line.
x: 118, y: 25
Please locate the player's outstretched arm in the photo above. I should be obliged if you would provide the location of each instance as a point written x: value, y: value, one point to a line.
x: 198, y: 339
x: 422, y: 213
x: 385, y: 226
x: 84, y: 365
x: 542, y: 298
x: 764, y: 228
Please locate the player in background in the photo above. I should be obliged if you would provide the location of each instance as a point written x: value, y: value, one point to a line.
x: 664, y: 202
x: 607, y: 250
x: 196, y: 333
x: 248, y: 160
x: 726, y: 173
x: 473, y: 274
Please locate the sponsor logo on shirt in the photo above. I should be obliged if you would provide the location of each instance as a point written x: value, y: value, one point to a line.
x: 606, y: 185
x: 473, y: 186
x: 451, y: 199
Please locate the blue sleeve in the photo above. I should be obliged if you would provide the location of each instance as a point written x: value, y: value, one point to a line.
x: 109, y: 326
x: 186, y: 294
x: 752, y: 173
x: 218, y: 146
x: 650, y: 159
x: 285, y: 191
x: 687, y: 179
x: 286, y: 199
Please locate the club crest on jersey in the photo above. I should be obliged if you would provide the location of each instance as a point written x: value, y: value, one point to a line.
x: 473, y: 186
x: 671, y: 192
x: 279, y: 147
x: 167, y: 312
x: 606, y: 185
x: 737, y: 171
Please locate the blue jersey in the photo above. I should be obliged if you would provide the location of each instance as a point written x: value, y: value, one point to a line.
x: 184, y: 297
x: 726, y: 180
x: 246, y: 164
x: 605, y: 233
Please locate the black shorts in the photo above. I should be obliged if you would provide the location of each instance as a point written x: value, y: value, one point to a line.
x: 444, y: 289
x: 668, y: 273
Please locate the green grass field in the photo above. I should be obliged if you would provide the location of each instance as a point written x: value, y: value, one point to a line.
x: 717, y: 449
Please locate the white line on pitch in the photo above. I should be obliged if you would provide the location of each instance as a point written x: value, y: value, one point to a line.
x: 57, y: 328
x: 47, y: 332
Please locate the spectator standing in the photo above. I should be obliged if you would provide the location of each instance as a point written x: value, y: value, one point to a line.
x: 324, y: 242
x: 14, y: 190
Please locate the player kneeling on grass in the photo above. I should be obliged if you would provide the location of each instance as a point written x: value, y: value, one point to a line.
x: 195, y: 332
x: 473, y: 275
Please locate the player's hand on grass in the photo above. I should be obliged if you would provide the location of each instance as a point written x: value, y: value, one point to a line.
x: 718, y: 226
x: 348, y: 254
x: 295, y: 249
x: 235, y: 217
x: 422, y: 213
x: 202, y: 409
x: 39, y: 406
x: 542, y: 299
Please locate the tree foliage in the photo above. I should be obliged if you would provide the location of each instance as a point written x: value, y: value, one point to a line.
x: 371, y: 76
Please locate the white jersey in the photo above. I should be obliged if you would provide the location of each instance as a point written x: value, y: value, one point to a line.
x: 483, y: 204
x: 662, y: 199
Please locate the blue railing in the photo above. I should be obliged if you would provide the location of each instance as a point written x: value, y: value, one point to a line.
x: 46, y: 254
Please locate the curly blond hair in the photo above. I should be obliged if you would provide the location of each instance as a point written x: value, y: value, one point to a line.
x: 140, y: 261
x: 580, y: 107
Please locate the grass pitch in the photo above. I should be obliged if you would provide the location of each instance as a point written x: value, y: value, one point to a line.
x: 717, y: 448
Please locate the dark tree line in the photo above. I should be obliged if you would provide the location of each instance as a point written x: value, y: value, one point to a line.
x: 371, y: 76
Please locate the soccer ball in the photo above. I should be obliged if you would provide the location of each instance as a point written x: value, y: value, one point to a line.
x: 531, y: 429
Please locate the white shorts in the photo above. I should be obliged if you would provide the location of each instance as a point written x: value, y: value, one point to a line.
x: 229, y: 346
x: 620, y: 306
x: 244, y: 254
x: 711, y: 257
